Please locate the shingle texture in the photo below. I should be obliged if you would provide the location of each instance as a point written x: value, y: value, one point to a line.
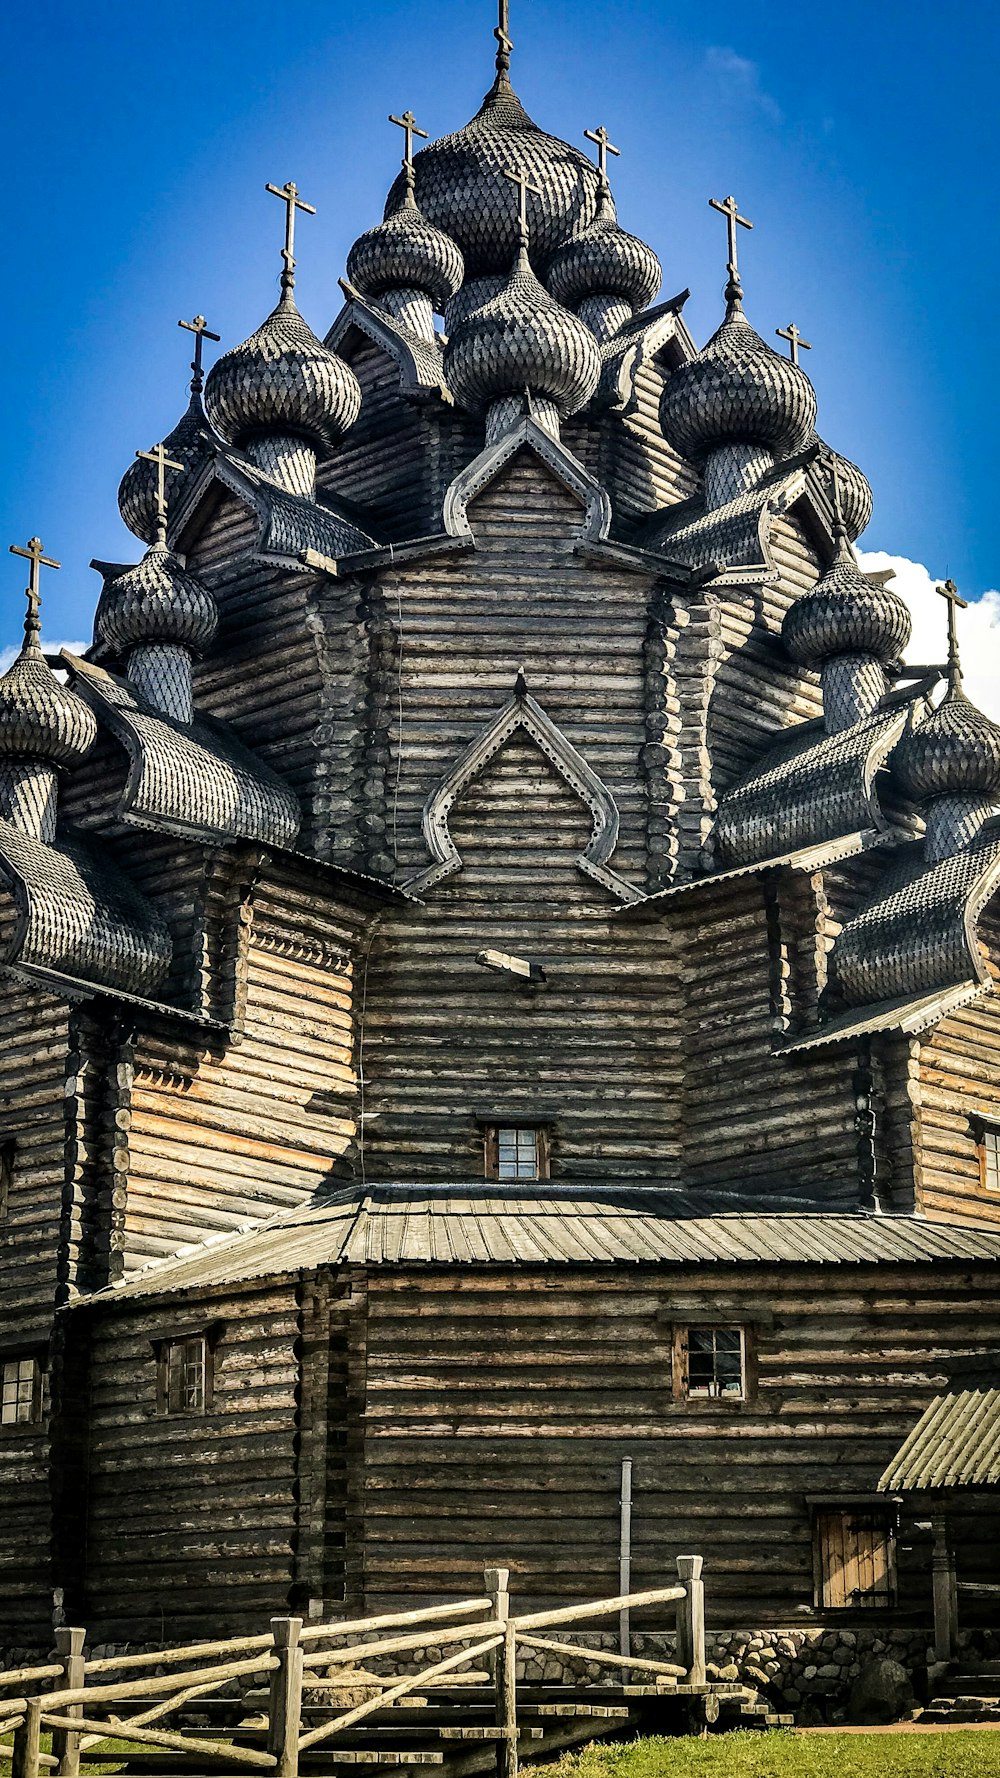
x: 955, y: 1444
x: 189, y: 444
x: 955, y: 752
x: 809, y: 787
x: 282, y: 379
x: 734, y: 534
x: 604, y: 260
x: 39, y: 718
x: 156, y: 601
x: 522, y: 339
x: 406, y: 251
x: 919, y: 933
x: 405, y: 1225
x: 462, y: 188
x: 737, y: 388
x: 80, y: 917
x: 846, y: 614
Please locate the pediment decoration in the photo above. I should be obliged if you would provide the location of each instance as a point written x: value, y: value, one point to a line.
x: 523, y: 712
x: 527, y: 434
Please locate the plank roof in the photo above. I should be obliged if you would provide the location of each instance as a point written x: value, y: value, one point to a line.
x: 386, y: 1225
x: 955, y: 1444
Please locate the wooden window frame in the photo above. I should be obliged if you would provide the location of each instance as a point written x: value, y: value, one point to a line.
x: 38, y: 1393
x: 985, y: 1129
x: 8, y: 1161
x: 679, y: 1367
x: 491, y: 1148
x: 870, y: 1506
x: 163, y: 1345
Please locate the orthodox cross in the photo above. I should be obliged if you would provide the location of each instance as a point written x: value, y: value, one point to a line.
x: 502, y: 35
x: 604, y: 147
x: 950, y: 592
x: 159, y: 456
x: 734, y: 220
x: 201, y: 330
x: 795, y: 341
x: 33, y: 553
x: 408, y: 124
x: 289, y: 195
x: 524, y: 185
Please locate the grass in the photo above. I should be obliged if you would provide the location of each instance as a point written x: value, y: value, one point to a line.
x: 780, y: 1753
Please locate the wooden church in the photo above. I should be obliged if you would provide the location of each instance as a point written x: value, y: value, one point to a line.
x: 498, y: 967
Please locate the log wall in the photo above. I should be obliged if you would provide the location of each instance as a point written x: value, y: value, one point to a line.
x: 956, y: 1075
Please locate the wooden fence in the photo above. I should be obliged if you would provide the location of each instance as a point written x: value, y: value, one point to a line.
x: 79, y: 1708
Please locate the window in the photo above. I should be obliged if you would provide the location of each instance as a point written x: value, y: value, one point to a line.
x: 8, y: 1151
x: 988, y: 1147
x: 516, y: 1152
x: 20, y: 1391
x: 709, y: 1364
x: 184, y: 1382
x: 855, y: 1558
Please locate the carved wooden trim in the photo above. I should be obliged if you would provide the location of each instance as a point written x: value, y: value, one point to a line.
x: 523, y: 712
x: 570, y: 471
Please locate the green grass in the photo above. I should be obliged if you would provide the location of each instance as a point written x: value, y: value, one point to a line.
x: 780, y: 1753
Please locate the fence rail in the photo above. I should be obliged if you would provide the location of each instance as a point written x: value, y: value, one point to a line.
x: 81, y: 1717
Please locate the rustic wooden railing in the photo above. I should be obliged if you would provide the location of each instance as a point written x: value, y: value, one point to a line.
x: 81, y: 1717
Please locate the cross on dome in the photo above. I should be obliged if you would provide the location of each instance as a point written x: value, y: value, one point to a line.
x: 408, y: 124
x: 33, y: 554
x: 730, y: 210
x: 795, y: 341
x: 159, y: 456
x: 503, y: 37
x: 289, y: 195
x: 524, y: 185
x: 950, y: 592
x: 605, y: 146
x: 201, y: 330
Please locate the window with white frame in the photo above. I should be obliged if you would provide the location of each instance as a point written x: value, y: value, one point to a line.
x: 516, y: 1151
x: 20, y: 1391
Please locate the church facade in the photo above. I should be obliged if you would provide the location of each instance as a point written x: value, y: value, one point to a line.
x: 498, y: 967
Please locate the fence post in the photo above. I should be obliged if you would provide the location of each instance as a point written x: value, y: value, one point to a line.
x: 495, y: 1581
x: 66, y: 1742
x: 285, y: 1713
x: 691, y: 1619
x: 507, y: 1705
x: 27, y: 1742
x: 945, y: 1591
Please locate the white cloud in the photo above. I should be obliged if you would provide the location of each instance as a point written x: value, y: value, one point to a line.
x: 978, y: 627
x: 7, y: 655
x: 742, y: 78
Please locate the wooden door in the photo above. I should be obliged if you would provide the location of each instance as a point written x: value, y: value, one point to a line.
x: 857, y: 1564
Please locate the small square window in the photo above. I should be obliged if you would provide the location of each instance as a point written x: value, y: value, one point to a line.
x: 20, y: 1391
x: 184, y: 1372
x: 709, y: 1364
x: 988, y: 1149
x: 516, y: 1151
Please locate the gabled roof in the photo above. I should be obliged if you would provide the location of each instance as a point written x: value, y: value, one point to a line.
x: 80, y: 917
x: 527, y: 435
x: 955, y: 1444
x: 542, y: 1226
x: 735, y: 537
x: 420, y: 361
x: 645, y: 336
x: 289, y: 525
x: 195, y: 778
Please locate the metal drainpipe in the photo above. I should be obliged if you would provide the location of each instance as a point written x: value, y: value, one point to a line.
x: 625, y: 1562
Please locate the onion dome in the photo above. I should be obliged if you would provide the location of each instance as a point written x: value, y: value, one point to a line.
x: 737, y: 389
x: 605, y: 261
x: 855, y: 493
x: 956, y: 752
x: 39, y: 718
x: 846, y: 614
x: 156, y: 601
x: 522, y: 339
x: 406, y: 252
x: 282, y: 379
x: 188, y: 444
x: 460, y: 184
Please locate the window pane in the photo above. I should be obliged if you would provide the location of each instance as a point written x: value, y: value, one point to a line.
x: 186, y: 1376
x: 517, y: 1153
x: 19, y: 1379
x: 715, y: 1362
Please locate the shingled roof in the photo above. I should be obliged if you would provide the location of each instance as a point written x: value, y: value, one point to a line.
x: 955, y: 1444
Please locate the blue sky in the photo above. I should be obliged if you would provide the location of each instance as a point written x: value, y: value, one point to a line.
x: 861, y: 140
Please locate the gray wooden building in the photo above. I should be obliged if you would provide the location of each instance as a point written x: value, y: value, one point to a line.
x: 498, y: 966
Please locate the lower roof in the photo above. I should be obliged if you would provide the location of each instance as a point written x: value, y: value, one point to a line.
x: 501, y: 1224
x: 955, y: 1444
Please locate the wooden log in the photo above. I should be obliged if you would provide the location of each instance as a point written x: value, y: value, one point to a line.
x: 691, y: 1618
x: 575, y: 1614
x: 598, y: 1657
x: 25, y: 1758
x: 506, y: 1704
x: 65, y: 1743
x: 412, y: 1683
x: 110, y: 1731
x: 162, y: 1682
x: 285, y: 1712
x: 392, y: 1645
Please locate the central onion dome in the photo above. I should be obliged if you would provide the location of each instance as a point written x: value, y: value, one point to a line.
x: 846, y: 614
x: 39, y: 718
x: 737, y: 390
x: 282, y: 379
x: 157, y: 601
x: 522, y: 340
x: 406, y: 252
x: 604, y: 262
x: 460, y: 184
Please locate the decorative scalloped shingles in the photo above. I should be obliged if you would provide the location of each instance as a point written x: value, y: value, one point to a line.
x: 406, y: 251
x: 189, y: 444
x: 283, y: 379
x: 522, y: 338
x: 737, y: 388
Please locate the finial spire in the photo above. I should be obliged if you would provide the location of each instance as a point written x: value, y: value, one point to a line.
x: 795, y: 341
x: 730, y: 210
x: 950, y: 592
x: 524, y: 185
x: 408, y: 124
x: 289, y: 195
x: 32, y: 592
x: 201, y: 330
x: 504, y: 43
x: 159, y: 456
x: 604, y: 147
